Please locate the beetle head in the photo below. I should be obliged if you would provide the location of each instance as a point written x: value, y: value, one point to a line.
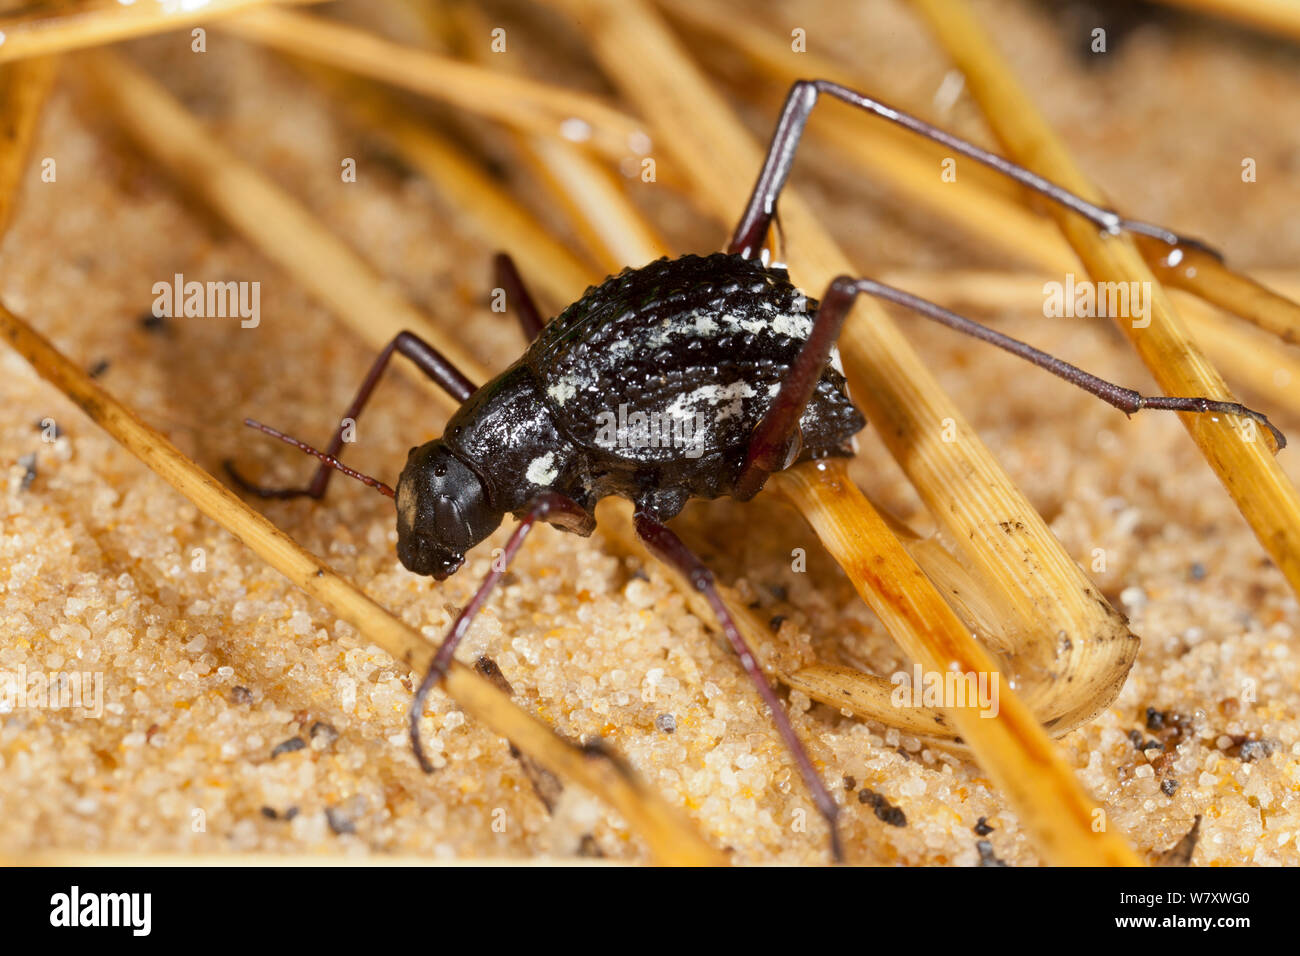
x: 442, y: 511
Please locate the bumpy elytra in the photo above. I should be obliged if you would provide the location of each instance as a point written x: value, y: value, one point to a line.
x: 698, y: 345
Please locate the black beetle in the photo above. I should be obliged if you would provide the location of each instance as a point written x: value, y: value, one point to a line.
x: 687, y: 378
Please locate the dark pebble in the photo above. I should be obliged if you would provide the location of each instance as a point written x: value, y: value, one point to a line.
x: 982, y: 827
x: 324, y: 728
x: 1168, y: 786
x: 666, y: 722
x: 338, y: 822
x: 241, y: 695
x: 28, y: 463
x: 288, y: 746
x: 987, y: 856
x: 153, y: 323
x: 885, y: 811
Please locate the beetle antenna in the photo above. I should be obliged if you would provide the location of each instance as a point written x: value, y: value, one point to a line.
x: 329, y: 460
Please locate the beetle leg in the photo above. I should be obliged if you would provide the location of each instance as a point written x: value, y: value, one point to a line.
x: 506, y: 275
x: 751, y: 232
x: 669, y: 548
x: 541, y: 507
x: 772, y: 435
x: 429, y: 361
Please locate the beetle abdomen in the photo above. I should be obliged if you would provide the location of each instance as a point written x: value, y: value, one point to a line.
x: 675, y: 363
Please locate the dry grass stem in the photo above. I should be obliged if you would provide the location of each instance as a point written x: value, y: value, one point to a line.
x: 38, y: 31
x: 1012, y: 748
x: 589, y: 194
x: 670, y: 838
x: 1240, y: 454
x: 550, y: 265
x: 1207, y: 278
x: 23, y: 89
x: 1274, y: 17
x: 522, y: 103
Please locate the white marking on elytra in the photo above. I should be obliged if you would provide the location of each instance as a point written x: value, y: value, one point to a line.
x: 542, y: 471
x: 727, y: 399
x: 563, y: 390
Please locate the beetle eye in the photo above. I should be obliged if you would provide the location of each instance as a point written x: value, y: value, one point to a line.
x: 440, y: 471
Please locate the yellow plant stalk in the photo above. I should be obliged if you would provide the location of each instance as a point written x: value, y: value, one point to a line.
x: 1240, y: 454
x: 1273, y: 17
x: 594, y: 201
x: 549, y: 110
x: 39, y: 30
x: 23, y: 89
x: 670, y: 838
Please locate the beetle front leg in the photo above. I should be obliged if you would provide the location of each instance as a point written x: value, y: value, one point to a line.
x: 546, y: 505
x: 426, y: 358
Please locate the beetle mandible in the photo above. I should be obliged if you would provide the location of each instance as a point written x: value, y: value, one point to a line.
x: 724, y: 343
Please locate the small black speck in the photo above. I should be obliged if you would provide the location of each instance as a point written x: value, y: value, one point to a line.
x: 288, y: 746
x: 1255, y: 749
x: 666, y: 722
x: 850, y: 784
x: 588, y: 847
x: 153, y: 323
x: 885, y: 811
x: 269, y: 813
x: 1155, y: 720
x: 241, y: 695
x: 1168, y: 786
x: 323, y: 728
x: 1196, y: 572
x: 779, y: 591
x: 291, y: 813
x: 776, y: 622
x: 99, y: 368
x: 982, y: 827
x: 338, y: 822
x: 1136, y: 737
x: 28, y: 464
